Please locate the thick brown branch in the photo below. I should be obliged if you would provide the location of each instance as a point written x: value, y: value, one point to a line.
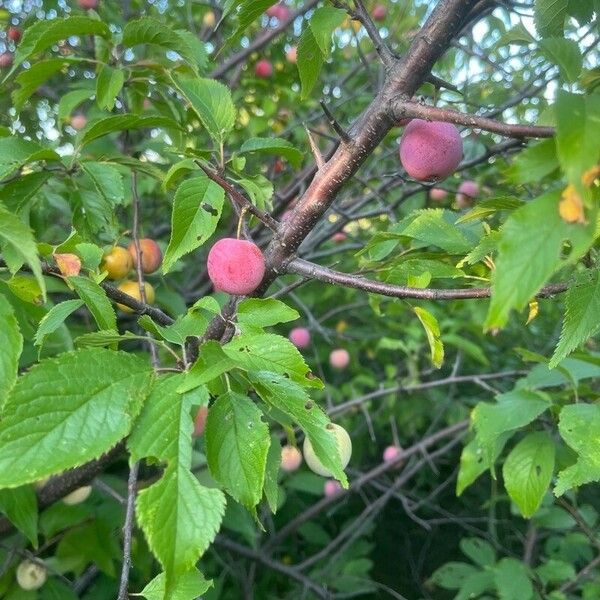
x: 314, y: 271
x: 403, y: 110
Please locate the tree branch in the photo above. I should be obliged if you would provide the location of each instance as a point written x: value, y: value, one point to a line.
x: 314, y: 271
x: 402, y: 109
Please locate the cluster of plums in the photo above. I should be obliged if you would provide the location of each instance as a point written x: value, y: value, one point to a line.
x: 118, y: 262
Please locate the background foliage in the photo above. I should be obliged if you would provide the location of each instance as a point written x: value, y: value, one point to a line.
x: 494, y: 401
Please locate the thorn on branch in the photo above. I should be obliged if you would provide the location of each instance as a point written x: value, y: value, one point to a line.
x: 344, y: 136
x: 315, y: 149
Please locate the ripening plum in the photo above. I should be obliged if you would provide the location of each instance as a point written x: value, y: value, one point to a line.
x: 292, y: 55
x: 209, y: 19
x: 87, y: 4
x: 379, y: 12
x: 438, y: 194
x: 344, y: 444
x: 132, y: 288
x: 469, y: 188
x: 31, y: 575
x: 117, y: 262
x: 263, y: 69
x: 6, y: 60
x: 14, y: 34
x: 430, y: 150
x: 339, y: 236
x: 151, y: 255
x: 236, y: 266
x: 339, y: 358
x: 78, y: 496
x: 331, y: 487
x: 300, y: 337
x: 391, y: 453
x: 279, y: 11
x: 291, y: 458
x: 200, y: 421
x: 78, y: 122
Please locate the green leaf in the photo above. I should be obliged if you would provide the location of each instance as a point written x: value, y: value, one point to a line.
x: 531, y: 259
x: 491, y: 206
x: 512, y: 580
x: 189, y: 586
x: 45, y: 33
x: 11, y: 346
x: 212, y: 102
x: 108, y: 85
x: 150, y: 31
x: 276, y: 146
x: 71, y: 100
x: 180, y: 519
x: 577, y: 133
x: 265, y: 312
x: 16, y: 152
x: 474, y: 462
x: 582, y: 308
x: 482, y: 553
x: 432, y: 329
x: 248, y: 11
x: 550, y: 16
x: 212, y: 363
x: 528, y: 470
x: 452, y: 575
x: 512, y: 410
x: 54, y: 318
x: 31, y: 79
x: 565, y: 54
x: 196, y: 212
x: 106, y: 337
x: 95, y: 299
x: 555, y: 571
x: 26, y: 288
x: 124, y: 122
x: 164, y: 428
x: 579, y: 426
x: 315, y: 45
x: 436, y: 227
x: 107, y: 180
x: 292, y: 400
x: 260, y: 190
x: 17, y: 238
x: 17, y: 193
x: 67, y: 411
x: 20, y: 506
x: 534, y: 162
x: 271, y: 488
x: 237, y: 443
x: 269, y: 352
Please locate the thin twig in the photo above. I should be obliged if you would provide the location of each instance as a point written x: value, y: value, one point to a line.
x: 128, y: 530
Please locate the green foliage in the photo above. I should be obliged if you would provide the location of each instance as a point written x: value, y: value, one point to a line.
x: 11, y: 346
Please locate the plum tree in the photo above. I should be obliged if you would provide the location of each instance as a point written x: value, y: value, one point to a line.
x: 438, y: 194
x: 14, y: 34
x: 200, y: 421
x: 300, y: 337
x: 339, y: 358
x: 344, y: 444
x: 331, y: 487
x: 87, y: 4
x: 132, y: 288
x: 78, y: 122
x: 379, y: 12
x: 117, y: 262
x: 263, y: 69
x: 236, y: 266
x: 6, y: 60
x: 151, y: 255
x: 31, y: 575
x: 291, y: 458
x: 430, y: 150
x: 78, y: 496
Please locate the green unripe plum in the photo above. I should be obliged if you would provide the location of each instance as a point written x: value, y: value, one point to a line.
x: 31, y: 575
x: 344, y: 444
